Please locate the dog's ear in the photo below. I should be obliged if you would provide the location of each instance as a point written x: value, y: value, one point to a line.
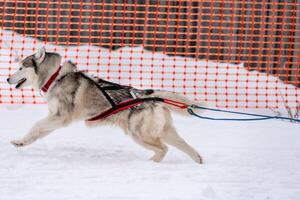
x: 40, y: 55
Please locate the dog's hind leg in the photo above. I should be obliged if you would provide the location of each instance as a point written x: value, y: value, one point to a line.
x: 41, y: 129
x: 155, y: 145
x: 171, y: 137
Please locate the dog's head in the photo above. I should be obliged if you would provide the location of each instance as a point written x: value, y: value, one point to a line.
x: 35, y: 69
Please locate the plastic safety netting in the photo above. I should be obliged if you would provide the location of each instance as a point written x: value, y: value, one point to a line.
x: 235, y: 54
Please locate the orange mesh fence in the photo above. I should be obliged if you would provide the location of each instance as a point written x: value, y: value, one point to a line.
x: 234, y: 54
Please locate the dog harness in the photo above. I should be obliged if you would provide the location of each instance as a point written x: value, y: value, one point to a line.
x: 128, y: 104
x: 116, y: 106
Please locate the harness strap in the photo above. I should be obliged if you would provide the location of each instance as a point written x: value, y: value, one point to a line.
x: 103, y: 90
x: 124, y: 105
x: 111, y: 86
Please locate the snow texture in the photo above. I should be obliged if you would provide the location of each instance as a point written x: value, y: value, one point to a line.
x: 243, y: 161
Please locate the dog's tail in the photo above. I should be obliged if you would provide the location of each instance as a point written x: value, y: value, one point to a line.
x: 175, y: 97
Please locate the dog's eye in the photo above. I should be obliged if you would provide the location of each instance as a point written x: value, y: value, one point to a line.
x: 21, y: 69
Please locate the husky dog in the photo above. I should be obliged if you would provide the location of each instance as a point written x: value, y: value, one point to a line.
x: 74, y: 96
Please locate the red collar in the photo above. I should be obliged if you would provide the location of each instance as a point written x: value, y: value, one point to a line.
x: 51, y: 80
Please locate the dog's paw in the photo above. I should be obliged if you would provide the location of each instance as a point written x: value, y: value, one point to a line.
x: 18, y: 143
x: 156, y: 159
x: 199, y: 159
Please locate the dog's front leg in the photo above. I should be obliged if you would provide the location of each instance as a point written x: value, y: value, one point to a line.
x: 41, y: 129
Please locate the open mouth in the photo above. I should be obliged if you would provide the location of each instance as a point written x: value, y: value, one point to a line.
x: 20, y: 83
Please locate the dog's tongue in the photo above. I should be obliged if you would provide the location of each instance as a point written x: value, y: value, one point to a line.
x: 20, y: 83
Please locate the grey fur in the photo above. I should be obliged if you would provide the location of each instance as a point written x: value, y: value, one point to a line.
x: 75, y: 96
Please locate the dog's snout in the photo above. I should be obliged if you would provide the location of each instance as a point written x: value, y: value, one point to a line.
x: 7, y: 80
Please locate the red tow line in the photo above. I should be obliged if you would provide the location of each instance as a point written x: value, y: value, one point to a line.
x: 175, y: 103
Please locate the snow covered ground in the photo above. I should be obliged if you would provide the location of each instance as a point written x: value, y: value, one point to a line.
x: 243, y: 161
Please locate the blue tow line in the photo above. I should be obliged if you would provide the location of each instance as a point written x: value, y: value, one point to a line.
x: 256, y: 117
